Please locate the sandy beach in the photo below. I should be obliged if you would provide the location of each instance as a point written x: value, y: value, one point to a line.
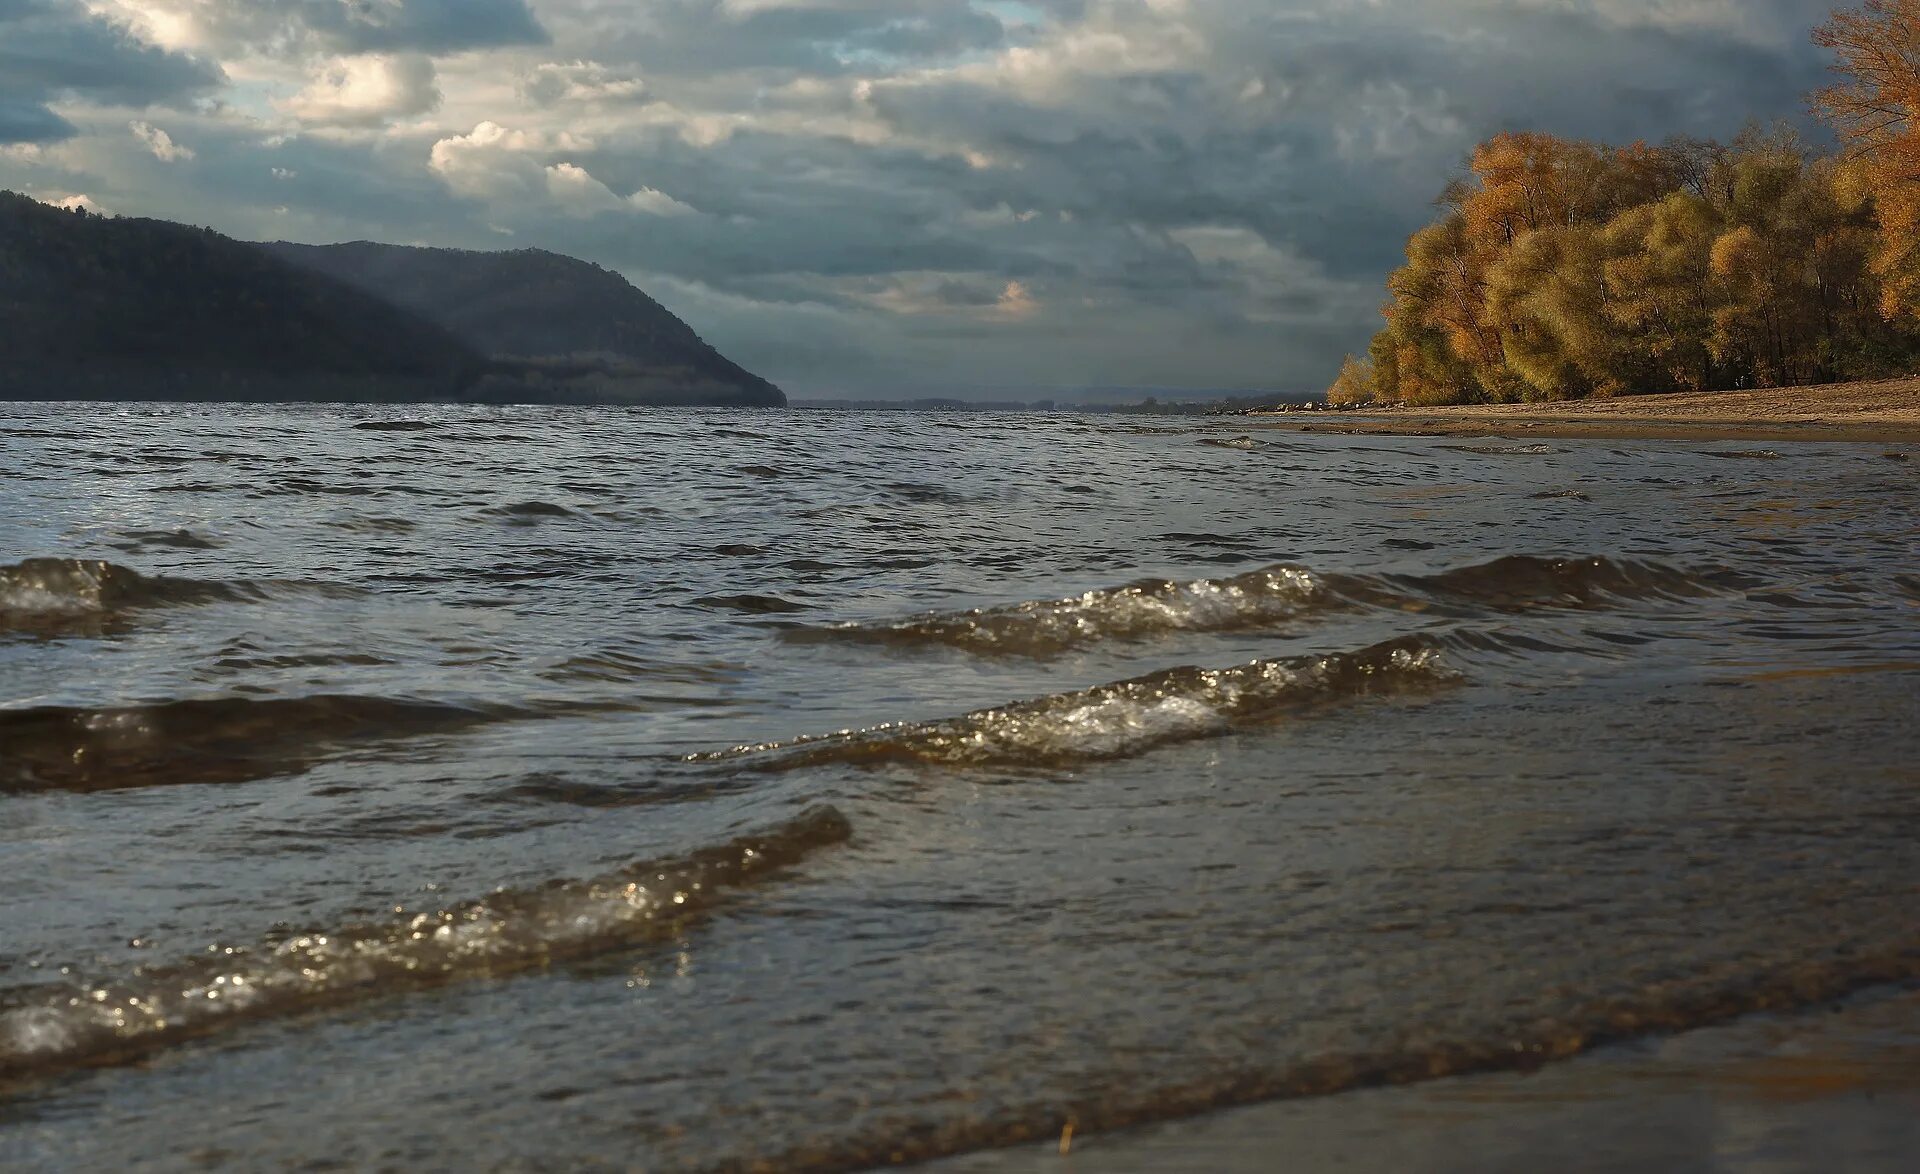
x: 1887, y: 411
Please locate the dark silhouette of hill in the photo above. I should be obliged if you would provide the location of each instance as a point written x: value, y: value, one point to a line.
x: 96, y: 307
x: 562, y: 325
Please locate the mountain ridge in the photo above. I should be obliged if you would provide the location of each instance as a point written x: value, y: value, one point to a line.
x: 556, y: 318
x: 113, y: 308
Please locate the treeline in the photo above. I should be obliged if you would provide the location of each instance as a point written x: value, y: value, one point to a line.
x: 1560, y: 269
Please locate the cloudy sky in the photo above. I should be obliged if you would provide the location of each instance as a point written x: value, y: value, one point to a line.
x: 881, y: 195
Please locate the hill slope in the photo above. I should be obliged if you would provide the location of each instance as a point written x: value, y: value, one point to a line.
x: 94, y: 307
x: 561, y: 324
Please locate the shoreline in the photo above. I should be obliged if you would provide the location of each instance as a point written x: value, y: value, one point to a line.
x: 1884, y: 412
x: 1833, y: 1086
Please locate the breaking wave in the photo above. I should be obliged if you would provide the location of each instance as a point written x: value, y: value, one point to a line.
x: 61, y: 593
x: 47, y: 1028
x: 1147, y: 608
x: 1275, y: 595
x: 69, y: 586
x: 1126, y: 718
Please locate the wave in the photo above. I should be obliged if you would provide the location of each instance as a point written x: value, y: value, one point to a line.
x: 214, y: 740
x: 1122, y: 719
x: 753, y: 604
x: 48, y: 1028
x: 1147, y: 608
x: 74, y: 586
x: 1526, y: 582
x: 61, y: 594
x: 1274, y: 595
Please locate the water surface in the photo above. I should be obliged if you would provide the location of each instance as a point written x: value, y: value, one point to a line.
x: 515, y: 788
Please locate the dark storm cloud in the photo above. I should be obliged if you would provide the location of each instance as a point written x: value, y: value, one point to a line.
x: 1153, y: 148
x: 371, y: 26
x: 830, y: 37
x: 423, y: 26
x: 53, y: 50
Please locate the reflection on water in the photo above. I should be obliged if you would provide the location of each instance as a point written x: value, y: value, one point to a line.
x: 987, y: 773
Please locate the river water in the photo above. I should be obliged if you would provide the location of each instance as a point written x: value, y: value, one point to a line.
x: 520, y: 788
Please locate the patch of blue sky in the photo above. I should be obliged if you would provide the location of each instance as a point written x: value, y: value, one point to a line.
x: 1013, y: 13
x: 1019, y: 18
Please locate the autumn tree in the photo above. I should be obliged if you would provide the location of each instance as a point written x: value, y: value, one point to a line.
x: 1355, y: 383
x: 1873, y: 106
x: 1659, y: 271
x: 1559, y: 268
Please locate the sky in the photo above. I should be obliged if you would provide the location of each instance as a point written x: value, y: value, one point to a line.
x: 882, y: 196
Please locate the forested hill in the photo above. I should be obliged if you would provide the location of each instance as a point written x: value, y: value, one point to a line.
x: 562, y: 323
x: 94, y: 307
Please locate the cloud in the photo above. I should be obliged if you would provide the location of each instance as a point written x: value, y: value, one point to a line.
x: 1016, y: 301
x: 522, y: 173
x: 366, y: 91
x: 495, y: 163
x: 340, y: 27
x: 159, y: 144
x: 854, y: 192
x: 79, y: 201
x: 578, y: 193
x: 553, y: 83
x: 53, y: 52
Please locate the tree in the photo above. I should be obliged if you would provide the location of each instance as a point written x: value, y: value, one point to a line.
x: 1659, y: 270
x: 1355, y: 384
x: 1874, y: 107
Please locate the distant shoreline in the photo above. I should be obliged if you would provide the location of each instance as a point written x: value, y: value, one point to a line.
x: 1885, y: 411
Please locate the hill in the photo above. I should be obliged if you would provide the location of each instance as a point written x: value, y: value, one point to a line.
x: 566, y: 327
x: 95, y: 307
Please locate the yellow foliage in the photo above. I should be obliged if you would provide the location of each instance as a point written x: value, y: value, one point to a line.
x: 1355, y: 384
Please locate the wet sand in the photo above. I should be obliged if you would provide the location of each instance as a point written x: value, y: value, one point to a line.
x: 1887, y: 411
x: 1833, y: 1089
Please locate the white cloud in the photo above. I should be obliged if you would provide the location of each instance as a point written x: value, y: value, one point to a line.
x: 493, y: 162
x: 159, y: 143
x: 577, y: 192
x: 79, y: 200
x: 366, y: 91
x: 511, y: 168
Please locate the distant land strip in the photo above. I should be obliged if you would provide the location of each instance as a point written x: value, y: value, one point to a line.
x: 1882, y: 411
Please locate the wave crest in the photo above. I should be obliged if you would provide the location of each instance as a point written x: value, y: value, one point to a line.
x: 1151, y: 607
x: 1274, y: 595
x: 81, y: 595
x: 77, y: 586
x: 63, y: 1025
x: 1122, y: 719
